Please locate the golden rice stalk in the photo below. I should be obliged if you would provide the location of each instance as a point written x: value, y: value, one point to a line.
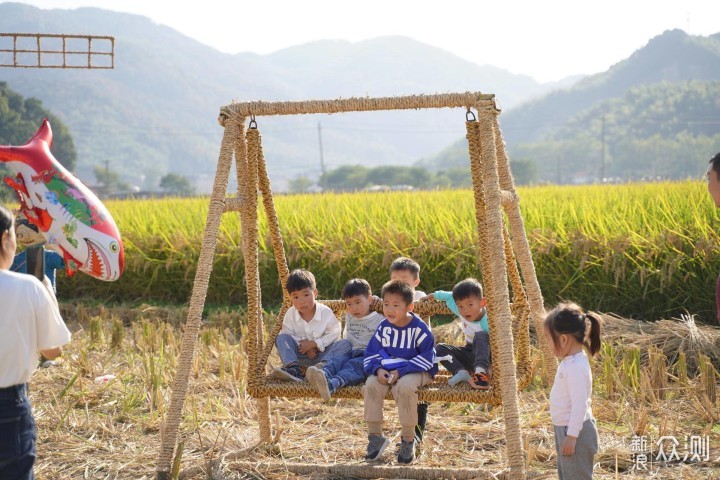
x: 658, y: 368
x: 681, y: 367
x: 97, y: 335
x: 708, y: 379
x: 118, y: 331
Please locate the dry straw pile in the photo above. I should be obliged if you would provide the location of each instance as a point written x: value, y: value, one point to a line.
x: 110, y: 430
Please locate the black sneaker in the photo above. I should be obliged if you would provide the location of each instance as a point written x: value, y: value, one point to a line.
x: 407, y: 452
x: 291, y: 373
x: 376, y: 446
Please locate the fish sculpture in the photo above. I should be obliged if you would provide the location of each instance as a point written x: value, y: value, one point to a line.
x: 71, y: 218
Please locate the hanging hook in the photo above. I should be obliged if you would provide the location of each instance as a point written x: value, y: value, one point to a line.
x: 253, y: 123
x: 470, y: 116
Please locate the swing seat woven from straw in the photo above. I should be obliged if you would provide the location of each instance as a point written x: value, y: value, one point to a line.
x: 438, y: 390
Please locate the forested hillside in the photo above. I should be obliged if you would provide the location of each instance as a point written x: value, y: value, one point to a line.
x: 655, y: 114
x: 21, y: 117
x: 663, y: 130
x: 19, y: 120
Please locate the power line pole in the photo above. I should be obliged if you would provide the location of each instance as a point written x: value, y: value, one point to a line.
x: 322, y: 160
x: 559, y: 173
x: 602, y: 143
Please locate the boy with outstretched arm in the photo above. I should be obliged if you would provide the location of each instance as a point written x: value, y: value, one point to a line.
x: 360, y: 326
x: 467, y: 302
x: 309, y: 331
x: 398, y: 357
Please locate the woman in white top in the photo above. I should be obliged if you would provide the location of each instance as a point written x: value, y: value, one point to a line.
x: 30, y: 323
x: 573, y: 331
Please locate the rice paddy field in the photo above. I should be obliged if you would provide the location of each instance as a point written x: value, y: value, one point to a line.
x: 645, y: 251
x: 644, y: 255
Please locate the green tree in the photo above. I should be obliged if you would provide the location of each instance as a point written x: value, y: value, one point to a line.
x: 524, y: 171
x: 300, y: 184
x: 395, y: 175
x: 345, y: 178
x: 22, y: 117
x: 110, y: 180
x: 176, y: 185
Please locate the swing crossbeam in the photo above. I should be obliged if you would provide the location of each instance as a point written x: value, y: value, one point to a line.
x: 360, y: 104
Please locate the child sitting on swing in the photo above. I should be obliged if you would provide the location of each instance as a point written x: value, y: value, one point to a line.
x: 360, y: 325
x: 467, y: 302
x: 309, y: 331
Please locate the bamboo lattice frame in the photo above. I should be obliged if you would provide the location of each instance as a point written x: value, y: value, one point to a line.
x: 45, y: 50
x: 498, y: 247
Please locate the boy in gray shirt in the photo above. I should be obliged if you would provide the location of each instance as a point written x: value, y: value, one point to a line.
x: 360, y: 326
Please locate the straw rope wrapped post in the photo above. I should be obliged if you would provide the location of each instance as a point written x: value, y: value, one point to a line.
x: 273, y: 225
x: 522, y: 250
x: 520, y: 313
x: 473, y: 136
x: 197, y: 302
x: 499, y: 302
x: 252, y: 273
x: 279, y: 252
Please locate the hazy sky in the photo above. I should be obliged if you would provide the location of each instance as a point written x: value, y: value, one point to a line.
x: 547, y: 40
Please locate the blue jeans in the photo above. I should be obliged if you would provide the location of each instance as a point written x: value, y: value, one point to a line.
x: 17, y: 434
x: 347, y: 368
x: 288, y: 350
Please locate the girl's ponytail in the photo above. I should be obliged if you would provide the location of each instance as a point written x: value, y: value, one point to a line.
x: 592, y: 340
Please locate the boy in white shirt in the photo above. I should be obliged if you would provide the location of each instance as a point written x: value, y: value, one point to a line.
x: 360, y: 325
x: 309, y: 330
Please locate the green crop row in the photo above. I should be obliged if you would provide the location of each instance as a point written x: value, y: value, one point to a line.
x: 641, y: 250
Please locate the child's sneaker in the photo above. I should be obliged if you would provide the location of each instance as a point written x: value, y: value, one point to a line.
x: 480, y: 381
x: 460, y: 377
x: 291, y: 373
x: 376, y: 446
x: 319, y: 382
x: 407, y: 452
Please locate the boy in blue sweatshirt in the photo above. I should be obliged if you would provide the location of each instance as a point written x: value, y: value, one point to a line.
x: 400, y: 357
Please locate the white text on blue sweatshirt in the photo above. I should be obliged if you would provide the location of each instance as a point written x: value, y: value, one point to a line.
x: 413, y: 345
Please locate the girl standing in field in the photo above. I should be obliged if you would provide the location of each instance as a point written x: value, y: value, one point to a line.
x: 576, y: 438
x: 30, y: 323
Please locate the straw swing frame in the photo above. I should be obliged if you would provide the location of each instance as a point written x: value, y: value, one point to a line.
x: 493, y: 190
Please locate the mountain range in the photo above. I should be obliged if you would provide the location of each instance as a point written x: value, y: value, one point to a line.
x: 663, y: 94
x: 156, y: 111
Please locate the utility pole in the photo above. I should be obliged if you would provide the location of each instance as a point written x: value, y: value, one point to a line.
x: 107, y: 176
x: 559, y: 173
x: 602, y: 144
x: 322, y: 160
